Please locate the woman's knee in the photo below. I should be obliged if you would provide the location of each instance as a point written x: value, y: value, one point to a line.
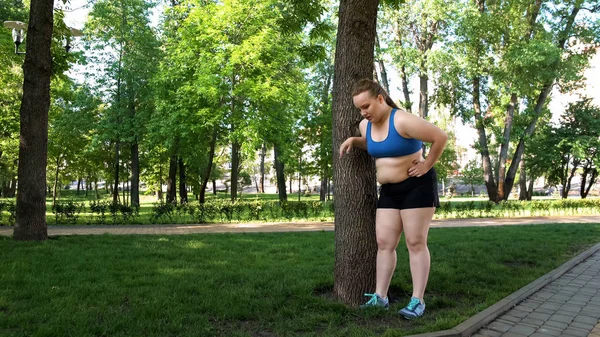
x: 416, y: 244
x: 386, y: 242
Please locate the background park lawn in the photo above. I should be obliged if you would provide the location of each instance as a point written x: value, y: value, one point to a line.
x: 276, y: 284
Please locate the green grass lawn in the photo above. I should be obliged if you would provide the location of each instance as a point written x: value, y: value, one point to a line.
x: 274, y: 284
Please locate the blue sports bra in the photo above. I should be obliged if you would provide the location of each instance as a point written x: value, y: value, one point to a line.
x: 394, y: 145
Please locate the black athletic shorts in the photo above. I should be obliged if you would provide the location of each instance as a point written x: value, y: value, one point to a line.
x: 414, y: 192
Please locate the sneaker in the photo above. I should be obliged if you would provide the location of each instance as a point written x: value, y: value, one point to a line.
x: 414, y: 309
x: 376, y: 301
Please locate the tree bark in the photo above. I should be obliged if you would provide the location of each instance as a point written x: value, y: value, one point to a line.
x: 160, y: 182
x: 183, y: 197
x: 587, y: 186
x: 279, y: 171
x: 235, y: 166
x: 211, y: 157
x: 508, y: 122
x: 55, y: 191
x: 171, y: 180
x: 488, y: 174
x: 135, y: 174
x: 380, y: 63
x: 116, y: 168
x: 33, y: 146
x: 522, y: 181
x: 263, y: 153
x: 354, y: 174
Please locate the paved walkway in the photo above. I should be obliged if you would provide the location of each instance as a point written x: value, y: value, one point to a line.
x: 565, y: 302
x: 287, y: 226
x: 568, y: 306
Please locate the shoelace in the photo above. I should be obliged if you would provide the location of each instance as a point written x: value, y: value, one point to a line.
x: 373, y: 300
x: 413, y: 304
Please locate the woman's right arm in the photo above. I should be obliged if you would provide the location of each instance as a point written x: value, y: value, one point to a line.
x: 360, y: 142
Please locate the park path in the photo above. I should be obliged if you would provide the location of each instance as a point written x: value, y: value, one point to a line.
x: 301, y: 226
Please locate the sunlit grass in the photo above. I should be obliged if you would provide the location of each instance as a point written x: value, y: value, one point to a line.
x: 257, y: 284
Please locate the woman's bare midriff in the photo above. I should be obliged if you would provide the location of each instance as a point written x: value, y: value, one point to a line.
x: 395, y: 169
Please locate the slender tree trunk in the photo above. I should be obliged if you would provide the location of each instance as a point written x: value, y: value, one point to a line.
x: 530, y: 189
x: 206, y: 177
x: 299, y: 178
x: 587, y: 186
x: 323, y: 191
x: 116, y: 168
x: 55, y: 192
x: 214, y: 185
x: 508, y: 122
x: 354, y: 174
x: 33, y: 145
x: 279, y: 171
x: 171, y: 180
x: 423, y: 90
x: 183, y: 197
x: 160, y: 182
x: 235, y: 165
x: 407, y: 103
x: 567, y: 187
x: 522, y: 182
x: 78, y: 185
x: 135, y: 174
x: 380, y: 63
x: 263, y: 153
x: 96, y: 189
x: 488, y: 174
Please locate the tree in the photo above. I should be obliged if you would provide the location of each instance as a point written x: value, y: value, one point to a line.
x: 11, y: 77
x: 501, y: 53
x: 31, y: 198
x: 472, y: 174
x: 354, y: 174
x: 124, y: 45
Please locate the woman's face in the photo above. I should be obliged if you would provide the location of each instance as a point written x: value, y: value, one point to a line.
x: 371, y: 108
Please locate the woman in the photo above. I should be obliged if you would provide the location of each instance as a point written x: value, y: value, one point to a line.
x: 408, y: 196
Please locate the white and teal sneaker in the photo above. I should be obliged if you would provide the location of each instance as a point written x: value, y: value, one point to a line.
x: 414, y: 309
x: 376, y: 301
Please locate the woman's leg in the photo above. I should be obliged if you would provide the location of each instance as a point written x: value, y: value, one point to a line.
x: 388, y: 229
x: 416, y: 223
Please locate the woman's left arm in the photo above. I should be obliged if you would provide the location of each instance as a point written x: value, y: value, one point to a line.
x: 418, y: 128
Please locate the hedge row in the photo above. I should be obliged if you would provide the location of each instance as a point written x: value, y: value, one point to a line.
x: 104, y: 212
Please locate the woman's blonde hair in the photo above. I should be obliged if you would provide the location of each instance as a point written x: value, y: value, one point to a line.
x: 374, y: 89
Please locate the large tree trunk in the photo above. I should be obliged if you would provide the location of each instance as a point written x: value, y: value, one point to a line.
x: 279, y: 171
x: 31, y: 200
x: 508, y: 122
x: 354, y: 174
x: 171, y: 180
x: 211, y: 157
x: 135, y: 174
x: 183, y: 198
